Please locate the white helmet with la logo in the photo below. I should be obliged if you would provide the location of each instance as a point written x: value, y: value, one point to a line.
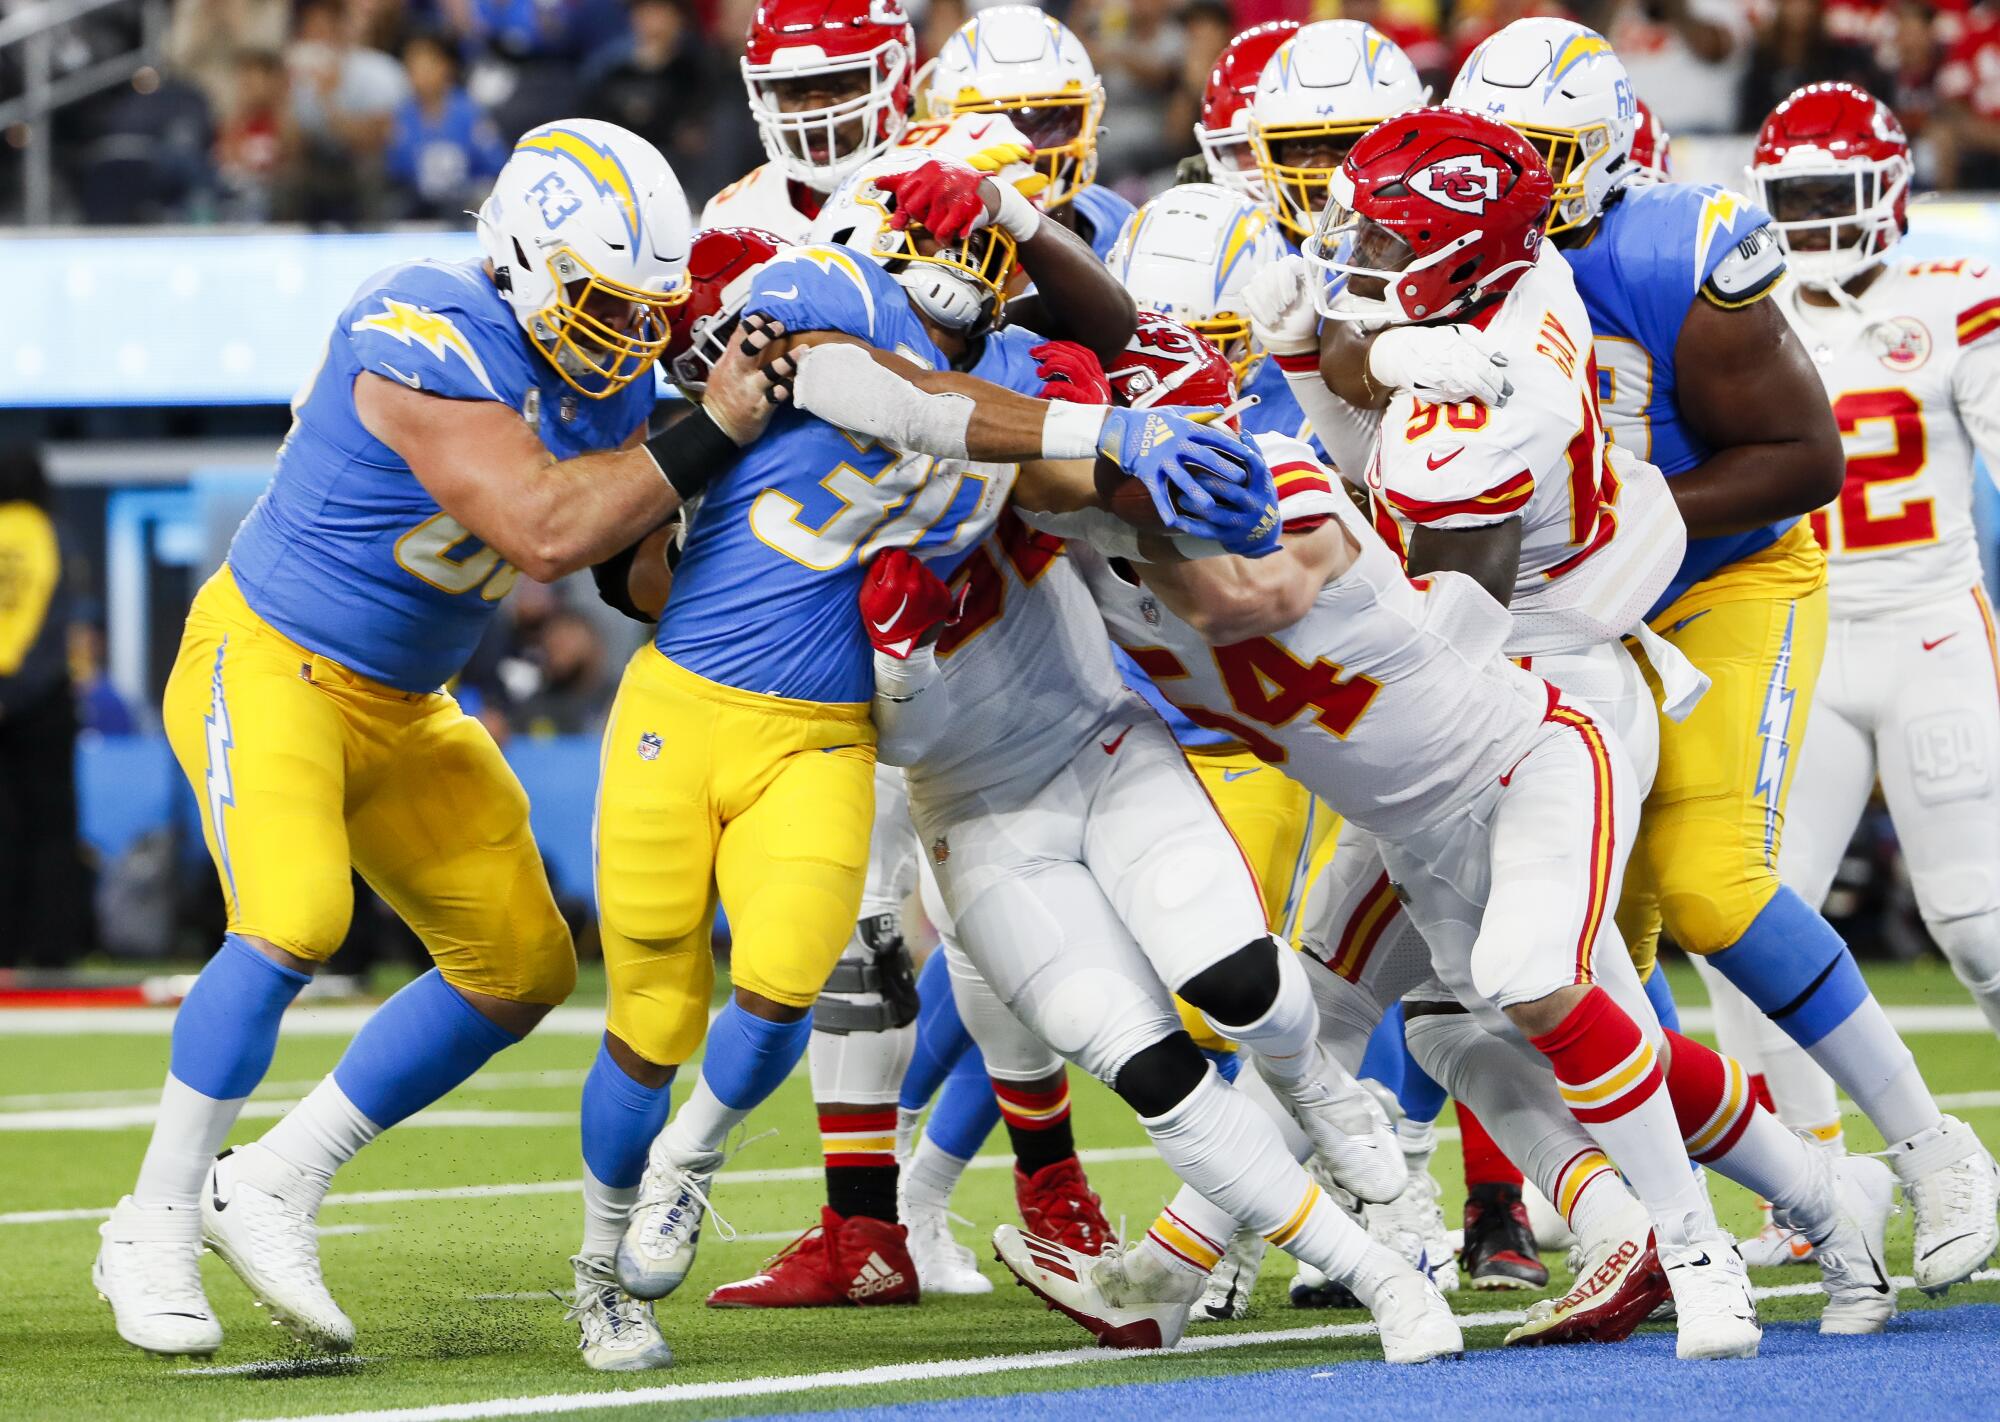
x: 1323, y: 88
x: 1189, y: 254
x: 587, y: 232
x: 1565, y: 90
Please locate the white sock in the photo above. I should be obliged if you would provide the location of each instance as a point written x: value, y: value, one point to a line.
x: 1418, y: 1140
x: 1802, y: 1093
x: 321, y: 1133
x: 189, y: 1132
x: 931, y: 1175
x: 701, y: 1126
x: 1600, y: 1196
x: 1252, y: 1085
x: 908, y: 1123
x: 1285, y: 1038
x: 607, y: 1209
x: 1867, y: 1056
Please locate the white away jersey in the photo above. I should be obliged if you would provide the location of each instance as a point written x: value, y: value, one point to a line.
x: 1914, y: 379
x: 1390, y: 699
x: 761, y: 198
x: 1026, y: 667
x: 1598, y: 546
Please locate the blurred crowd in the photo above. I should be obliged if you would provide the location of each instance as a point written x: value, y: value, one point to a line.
x: 352, y: 112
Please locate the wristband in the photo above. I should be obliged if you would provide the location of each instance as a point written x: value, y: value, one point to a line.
x: 1069, y: 430
x: 691, y: 452
x: 1017, y: 217
x: 904, y: 678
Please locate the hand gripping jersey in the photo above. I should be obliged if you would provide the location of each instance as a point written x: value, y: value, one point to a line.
x: 1389, y: 700
x: 1914, y: 377
x: 1596, y: 551
x: 346, y: 553
x: 1027, y: 668
x: 764, y: 597
x: 1654, y: 250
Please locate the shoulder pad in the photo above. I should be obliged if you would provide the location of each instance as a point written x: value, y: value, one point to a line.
x: 822, y: 289
x: 421, y: 324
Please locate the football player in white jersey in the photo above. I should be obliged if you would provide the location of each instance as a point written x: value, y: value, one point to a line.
x: 1089, y: 879
x: 1910, y: 690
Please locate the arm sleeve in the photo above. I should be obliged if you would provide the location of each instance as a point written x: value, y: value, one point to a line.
x: 29, y: 566
x: 613, y: 579
x: 846, y: 386
x: 693, y: 452
x: 1975, y: 386
x: 912, y: 707
x: 1346, y: 433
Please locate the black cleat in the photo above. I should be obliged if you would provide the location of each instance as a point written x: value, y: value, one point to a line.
x: 1499, y: 1251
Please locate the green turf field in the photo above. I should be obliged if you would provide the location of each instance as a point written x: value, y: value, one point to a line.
x: 449, y: 1294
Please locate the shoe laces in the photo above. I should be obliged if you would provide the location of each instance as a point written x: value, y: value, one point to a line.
x: 814, y: 1241
x: 1951, y: 1190
x: 930, y: 1232
x: 672, y: 1188
x: 164, y: 1272
x: 609, y: 1316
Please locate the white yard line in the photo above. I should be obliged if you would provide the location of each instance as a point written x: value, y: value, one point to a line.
x: 343, y: 1020
x: 291, y: 1090
x: 550, y: 1404
x: 126, y: 1118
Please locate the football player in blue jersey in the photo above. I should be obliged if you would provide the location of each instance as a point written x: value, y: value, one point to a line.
x: 1700, y: 375
x: 1018, y: 61
x: 740, y: 751
x: 469, y: 422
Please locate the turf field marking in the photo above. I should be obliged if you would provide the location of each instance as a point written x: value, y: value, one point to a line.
x: 125, y: 1118
x: 282, y: 1368
x: 292, y: 1090
x: 549, y: 1404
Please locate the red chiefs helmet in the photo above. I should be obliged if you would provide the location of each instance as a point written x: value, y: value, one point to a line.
x: 1166, y: 363
x: 1433, y: 212
x: 720, y: 266
x: 1650, y: 142
x: 1832, y: 167
x: 1221, y: 131
x: 830, y: 83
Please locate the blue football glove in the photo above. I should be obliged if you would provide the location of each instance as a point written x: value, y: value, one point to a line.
x: 1203, y: 480
x: 1245, y: 518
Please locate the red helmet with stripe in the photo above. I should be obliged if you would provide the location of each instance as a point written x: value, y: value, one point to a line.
x: 1222, y: 130
x: 720, y: 266
x: 1832, y: 167
x: 859, y: 56
x: 1166, y: 363
x: 1432, y: 213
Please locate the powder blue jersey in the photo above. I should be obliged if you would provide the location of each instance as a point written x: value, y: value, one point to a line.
x: 346, y: 553
x: 765, y: 595
x: 1101, y: 215
x: 1653, y: 252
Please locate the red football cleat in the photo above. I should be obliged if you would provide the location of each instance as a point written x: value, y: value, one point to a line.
x: 836, y: 1263
x: 1499, y: 1250
x: 1619, y: 1282
x: 1057, y: 1203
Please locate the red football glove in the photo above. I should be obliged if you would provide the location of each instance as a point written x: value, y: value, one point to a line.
x: 1071, y: 372
x: 904, y: 605
x: 939, y: 196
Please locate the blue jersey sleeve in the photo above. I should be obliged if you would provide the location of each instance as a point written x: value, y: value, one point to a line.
x: 825, y: 289
x: 1104, y: 213
x: 1005, y: 361
x: 413, y: 325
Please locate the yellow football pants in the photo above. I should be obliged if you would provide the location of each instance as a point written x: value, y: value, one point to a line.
x: 1706, y: 859
x: 708, y: 793
x: 304, y: 768
x: 1272, y: 818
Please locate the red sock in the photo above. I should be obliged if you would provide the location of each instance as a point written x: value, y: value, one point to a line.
x: 1761, y: 1089
x: 1485, y: 1162
x: 1712, y: 1097
x: 1037, y: 1123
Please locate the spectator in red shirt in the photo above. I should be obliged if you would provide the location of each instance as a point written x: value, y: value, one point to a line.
x: 1965, y: 135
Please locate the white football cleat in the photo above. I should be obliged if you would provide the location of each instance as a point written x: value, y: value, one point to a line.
x: 944, y: 1266
x: 1953, y: 1188
x: 1350, y: 1133
x: 260, y: 1213
x: 1850, y: 1248
x: 619, y: 1333
x: 1415, y: 1321
x: 1121, y: 1298
x: 148, y: 1268
x: 1716, y: 1314
x: 1226, y: 1295
x: 1413, y: 1226
x: 1774, y: 1245
x: 659, y: 1245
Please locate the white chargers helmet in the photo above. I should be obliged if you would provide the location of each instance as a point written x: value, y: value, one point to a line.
x: 1323, y: 88
x: 1017, y: 61
x: 1566, y: 91
x: 963, y: 286
x: 1190, y: 252
x: 587, y: 232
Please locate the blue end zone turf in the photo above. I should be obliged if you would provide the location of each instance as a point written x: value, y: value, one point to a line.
x: 1933, y: 1364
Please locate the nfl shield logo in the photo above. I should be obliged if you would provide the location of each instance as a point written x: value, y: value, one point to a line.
x: 940, y: 850
x: 649, y: 746
x: 568, y: 408
x: 1149, y: 610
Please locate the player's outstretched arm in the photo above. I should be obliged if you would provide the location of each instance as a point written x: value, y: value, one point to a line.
x: 1232, y: 599
x: 1748, y: 389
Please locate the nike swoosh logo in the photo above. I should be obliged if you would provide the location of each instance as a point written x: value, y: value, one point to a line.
x: 1434, y: 462
x: 1701, y: 1263
x: 1929, y: 644
x: 1229, y: 775
x: 1111, y: 747
x: 1947, y: 1243
x: 415, y: 382
x: 217, y: 1201
x: 890, y: 621
x: 786, y: 295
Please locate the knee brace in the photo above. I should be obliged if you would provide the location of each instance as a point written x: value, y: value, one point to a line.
x: 1241, y: 988
x: 1158, y: 1078
x: 873, y: 988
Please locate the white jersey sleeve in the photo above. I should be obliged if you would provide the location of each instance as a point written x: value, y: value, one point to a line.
x: 761, y: 198
x: 1912, y: 371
